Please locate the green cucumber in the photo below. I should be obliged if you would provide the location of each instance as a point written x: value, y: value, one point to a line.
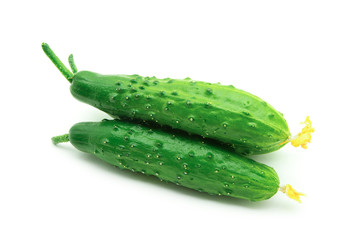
x: 224, y: 113
x: 174, y: 157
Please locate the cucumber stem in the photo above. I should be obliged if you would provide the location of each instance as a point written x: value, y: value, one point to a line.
x: 72, y: 63
x: 52, y: 56
x: 60, y: 139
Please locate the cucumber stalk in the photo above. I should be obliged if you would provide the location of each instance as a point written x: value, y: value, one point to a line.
x: 60, y: 139
x: 52, y: 56
x: 72, y: 64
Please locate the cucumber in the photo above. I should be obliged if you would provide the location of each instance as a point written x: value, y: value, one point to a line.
x: 174, y: 157
x: 229, y: 115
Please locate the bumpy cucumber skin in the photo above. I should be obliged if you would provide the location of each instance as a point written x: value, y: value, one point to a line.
x: 229, y: 115
x: 176, y: 158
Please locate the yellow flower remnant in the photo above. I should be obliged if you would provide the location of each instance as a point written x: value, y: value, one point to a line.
x: 304, y: 137
x: 291, y: 193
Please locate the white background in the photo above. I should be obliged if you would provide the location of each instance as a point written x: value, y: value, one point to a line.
x: 300, y: 56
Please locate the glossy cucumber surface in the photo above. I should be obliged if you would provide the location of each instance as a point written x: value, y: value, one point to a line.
x: 229, y: 115
x: 235, y: 117
x: 175, y: 157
